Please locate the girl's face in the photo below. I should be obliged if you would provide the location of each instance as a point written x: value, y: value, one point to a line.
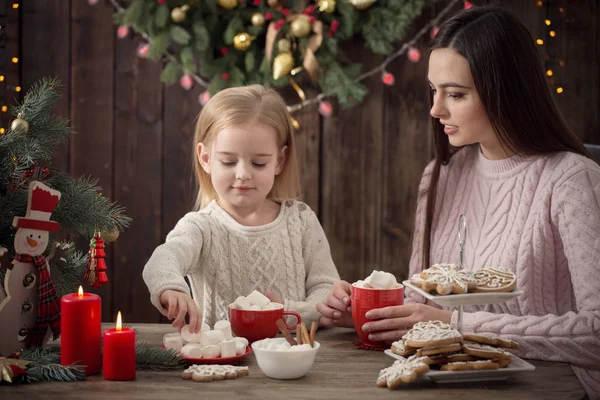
x: 242, y: 163
x: 457, y: 105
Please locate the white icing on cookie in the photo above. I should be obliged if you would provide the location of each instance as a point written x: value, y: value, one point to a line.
x: 494, y: 279
x: 447, y: 276
x: 431, y: 331
x: 404, y: 368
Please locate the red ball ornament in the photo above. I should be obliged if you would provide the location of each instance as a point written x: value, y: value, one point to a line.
x: 325, y: 108
x: 186, y: 82
x: 122, y: 31
x: 225, y: 75
x: 268, y: 16
x: 468, y: 5
x: 434, y: 31
x: 142, y: 50
x: 224, y: 50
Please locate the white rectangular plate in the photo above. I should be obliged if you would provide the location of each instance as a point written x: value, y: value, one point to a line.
x: 516, y: 367
x: 466, y: 299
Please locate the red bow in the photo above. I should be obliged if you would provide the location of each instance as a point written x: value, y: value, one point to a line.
x: 48, y: 307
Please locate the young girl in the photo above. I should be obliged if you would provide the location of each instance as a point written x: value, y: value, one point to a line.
x: 249, y: 233
x: 529, y: 190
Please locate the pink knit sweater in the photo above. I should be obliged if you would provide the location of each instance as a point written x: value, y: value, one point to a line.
x: 540, y: 217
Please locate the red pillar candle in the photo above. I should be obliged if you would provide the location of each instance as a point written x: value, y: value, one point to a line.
x: 118, y: 359
x: 81, y: 316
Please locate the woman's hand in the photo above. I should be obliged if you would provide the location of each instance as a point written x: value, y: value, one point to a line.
x: 178, y: 305
x: 391, y: 323
x: 336, y: 310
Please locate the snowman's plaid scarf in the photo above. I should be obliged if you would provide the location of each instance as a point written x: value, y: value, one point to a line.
x: 48, y: 307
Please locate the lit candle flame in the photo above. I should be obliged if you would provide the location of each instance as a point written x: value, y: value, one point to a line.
x: 119, y: 323
x: 80, y: 292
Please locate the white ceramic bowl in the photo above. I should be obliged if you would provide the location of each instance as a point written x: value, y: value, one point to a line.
x: 284, y: 364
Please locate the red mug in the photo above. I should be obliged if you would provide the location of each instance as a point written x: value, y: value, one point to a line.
x: 259, y: 324
x: 365, y: 299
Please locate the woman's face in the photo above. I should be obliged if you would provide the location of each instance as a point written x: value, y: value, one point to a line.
x: 457, y: 106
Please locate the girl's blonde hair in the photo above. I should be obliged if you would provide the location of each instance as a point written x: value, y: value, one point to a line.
x: 241, y: 105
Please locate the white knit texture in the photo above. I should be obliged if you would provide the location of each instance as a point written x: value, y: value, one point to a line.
x: 224, y: 259
x: 539, y: 217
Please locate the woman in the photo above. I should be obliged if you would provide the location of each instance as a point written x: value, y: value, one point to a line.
x: 529, y: 189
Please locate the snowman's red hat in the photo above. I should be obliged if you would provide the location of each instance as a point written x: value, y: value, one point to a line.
x: 41, y: 202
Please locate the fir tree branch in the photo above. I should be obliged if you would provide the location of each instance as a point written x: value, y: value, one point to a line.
x: 154, y: 358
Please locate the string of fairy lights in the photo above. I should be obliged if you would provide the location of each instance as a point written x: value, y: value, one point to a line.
x: 9, y: 63
x: 552, y: 64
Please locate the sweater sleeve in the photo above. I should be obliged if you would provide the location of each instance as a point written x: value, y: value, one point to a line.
x: 572, y: 337
x: 416, y: 258
x: 321, y: 272
x: 172, y: 261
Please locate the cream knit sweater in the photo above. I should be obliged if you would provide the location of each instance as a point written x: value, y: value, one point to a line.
x: 223, y: 260
x: 540, y: 217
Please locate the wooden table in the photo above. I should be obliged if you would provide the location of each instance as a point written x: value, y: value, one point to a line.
x: 340, y: 372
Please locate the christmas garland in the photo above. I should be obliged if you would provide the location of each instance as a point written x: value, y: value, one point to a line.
x: 43, y: 364
x: 223, y: 43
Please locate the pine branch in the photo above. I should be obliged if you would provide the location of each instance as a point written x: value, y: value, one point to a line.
x: 54, y: 372
x: 41, y: 355
x: 154, y: 358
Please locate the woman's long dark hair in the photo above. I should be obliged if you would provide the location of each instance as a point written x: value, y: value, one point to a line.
x: 510, y: 81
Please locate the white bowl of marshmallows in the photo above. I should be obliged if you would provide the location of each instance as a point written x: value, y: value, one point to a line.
x: 278, y: 359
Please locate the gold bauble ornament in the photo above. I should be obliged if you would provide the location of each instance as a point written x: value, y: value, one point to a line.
x: 284, y: 46
x: 273, y: 3
x: 300, y: 26
x: 6, y: 373
x: 178, y: 13
x: 19, y: 125
x: 257, y: 19
x: 282, y: 65
x: 362, y: 4
x: 228, y: 4
x: 242, y: 41
x: 326, y: 6
x: 110, y: 236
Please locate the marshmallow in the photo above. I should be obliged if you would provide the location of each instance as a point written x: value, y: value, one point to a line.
x: 228, y: 348
x: 211, y: 337
x: 204, y: 327
x: 211, y: 351
x: 243, y: 340
x: 301, y: 347
x: 240, y: 348
x: 242, y: 303
x: 192, y: 350
x: 273, y: 306
x: 188, y: 336
x: 173, y: 341
x: 381, y: 280
x: 225, y: 327
x: 255, y: 307
x: 258, y: 299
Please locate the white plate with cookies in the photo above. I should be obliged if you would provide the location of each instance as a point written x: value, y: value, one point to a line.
x: 517, y: 366
x: 452, y: 300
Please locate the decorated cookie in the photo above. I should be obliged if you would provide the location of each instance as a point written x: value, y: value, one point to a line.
x: 435, y: 350
x: 431, y: 334
x: 495, y: 280
x: 402, y: 349
x: 485, y: 351
x: 208, y: 373
x: 470, y: 365
x: 402, y: 371
x: 447, y: 279
x: 493, y: 341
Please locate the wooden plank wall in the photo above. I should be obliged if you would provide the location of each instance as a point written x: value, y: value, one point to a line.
x: 360, y: 167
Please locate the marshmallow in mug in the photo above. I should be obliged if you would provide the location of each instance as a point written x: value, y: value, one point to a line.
x: 255, y: 301
x: 378, y: 280
x: 277, y: 345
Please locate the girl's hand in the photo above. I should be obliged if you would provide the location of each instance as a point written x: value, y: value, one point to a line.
x: 178, y: 305
x: 336, y: 310
x: 391, y: 323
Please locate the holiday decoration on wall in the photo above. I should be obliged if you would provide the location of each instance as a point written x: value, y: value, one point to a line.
x: 38, y: 207
x: 223, y: 43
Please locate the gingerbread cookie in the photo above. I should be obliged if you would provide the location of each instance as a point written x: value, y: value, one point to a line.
x: 436, y: 350
x: 402, y: 349
x: 469, y: 365
x: 447, y: 278
x: 495, y: 341
x: 208, y: 373
x: 485, y: 351
x: 402, y: 371
x: 495, y: 280
x: 449, y: 358
x: 431, y: 334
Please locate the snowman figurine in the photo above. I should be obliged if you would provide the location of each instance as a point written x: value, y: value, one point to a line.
x: 30, y: 310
